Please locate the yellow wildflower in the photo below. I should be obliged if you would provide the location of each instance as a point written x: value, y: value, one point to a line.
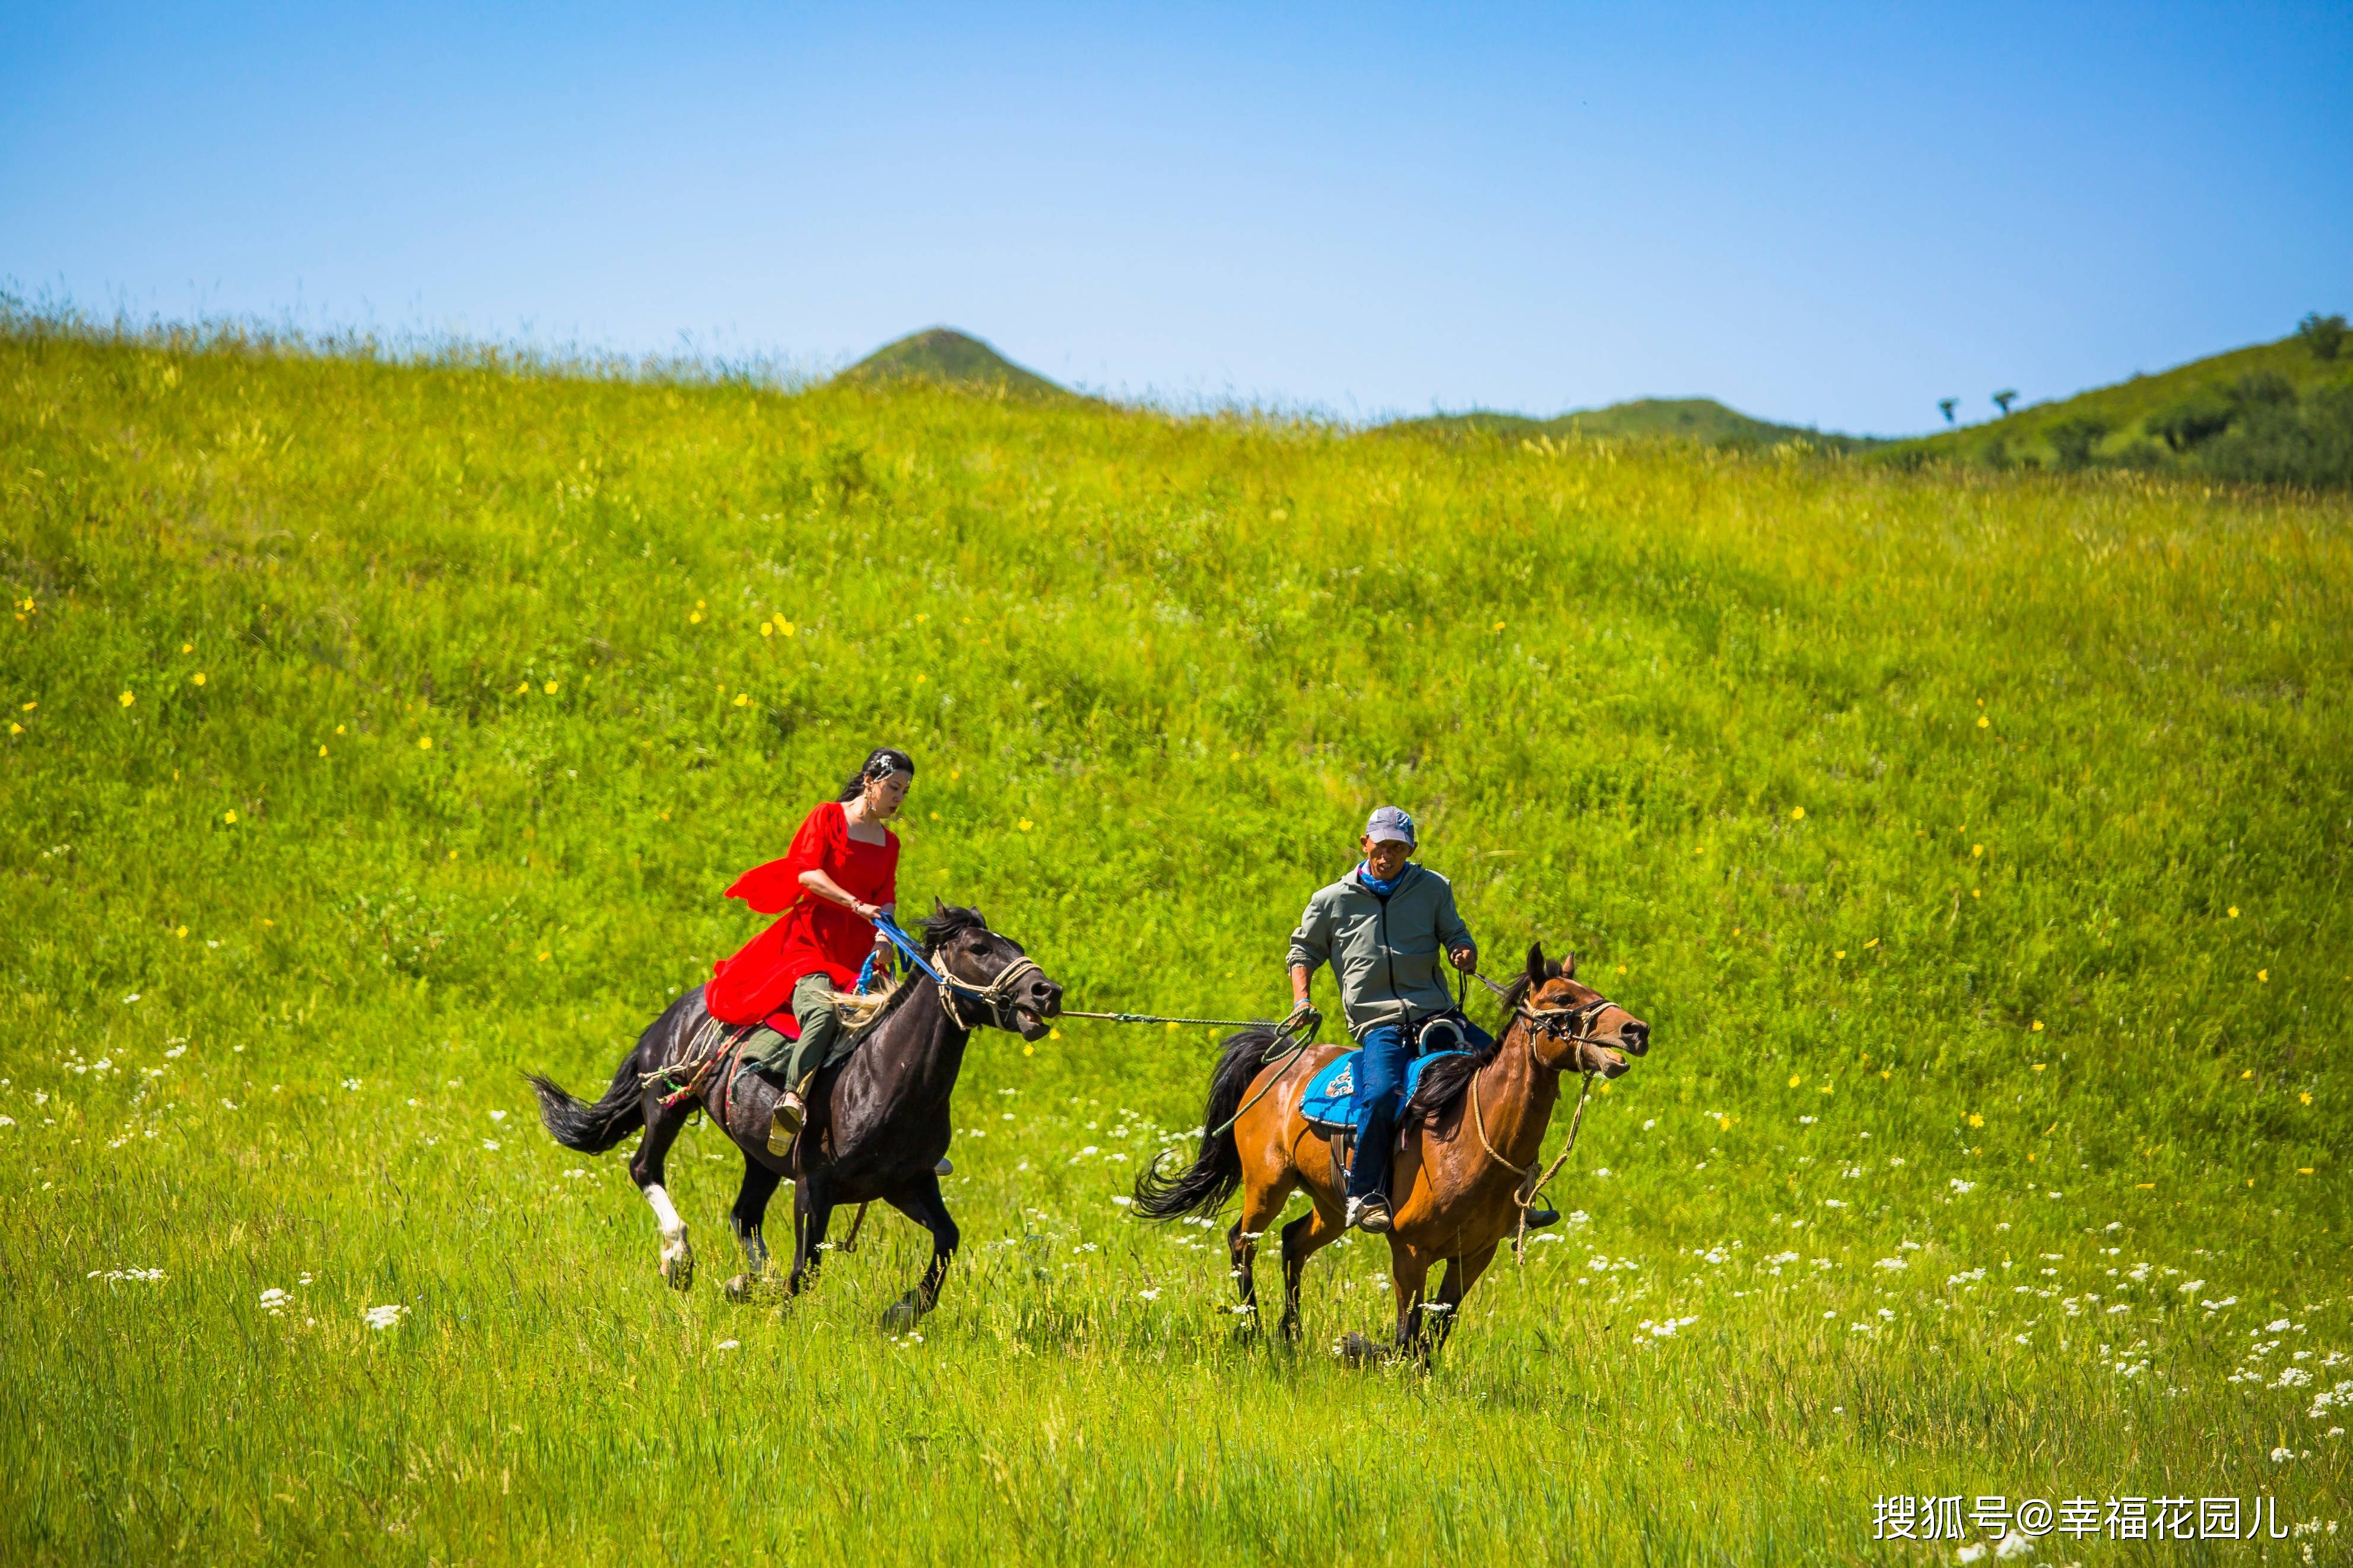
x: 2264, y: 976
x: 1983, y: 722
x: 552, y: 687
x: 1796, y: 814
x: 2235, y: 911
x: 229, y: 818
x: 126, y: 699
x: 2038, y: 1025
x: 198, y: 677
x: 1025, y: 825
x: 1796, y: 1079
x: 1975, y: 1119
x: 424, y: 742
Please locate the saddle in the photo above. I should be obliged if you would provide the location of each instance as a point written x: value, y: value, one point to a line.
x: 1330, y: 1103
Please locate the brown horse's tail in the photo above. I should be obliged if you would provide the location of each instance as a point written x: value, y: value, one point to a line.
x: 1217, y: 1170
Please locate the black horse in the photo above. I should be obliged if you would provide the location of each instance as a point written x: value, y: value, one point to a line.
x: 878, y: 1119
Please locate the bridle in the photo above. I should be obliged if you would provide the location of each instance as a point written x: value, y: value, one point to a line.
x: 997, y: 996
x: 1570, y: 1026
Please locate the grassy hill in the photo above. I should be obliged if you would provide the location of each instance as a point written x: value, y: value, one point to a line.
x: 1702, y: 420
x: 2128, y: 421
x: 949, y: 358
x: 1975, y: 843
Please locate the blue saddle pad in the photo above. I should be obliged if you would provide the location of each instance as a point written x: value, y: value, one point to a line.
x: 1331, y: 1100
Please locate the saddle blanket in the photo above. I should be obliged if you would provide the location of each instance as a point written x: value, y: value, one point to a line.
x: 1331, y: 1099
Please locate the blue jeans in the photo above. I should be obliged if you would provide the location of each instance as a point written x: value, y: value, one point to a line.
x: 1380, y: 1095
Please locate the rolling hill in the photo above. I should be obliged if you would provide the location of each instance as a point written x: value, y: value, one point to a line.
x: 2148, y: 420
x: 1702, y: 420
x: 951, y: 358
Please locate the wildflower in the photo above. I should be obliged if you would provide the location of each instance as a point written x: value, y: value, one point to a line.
x: 1983, y: 723
x: 491, y: 1144
x: 1025, y: 825
x: 2037, y: 1028
x: 2235, y: 911
x: 1976, y: 851
x: 1796, y: 1079
x: 728, y: 1345
x: 384, y: 1317
x: 198, y: 677
x: 785, y: 629
x: 1151, y: 1295
x: 2264, y: 975
x: 229, y: 818
x: 126, y: 699
x: 275, y: 1300
x: 1796, y: 814
x: 1975, y: 1119
x: 742, y: 700
x: 498, y: 1116
x: 424, y: 742
x: 552, y: 689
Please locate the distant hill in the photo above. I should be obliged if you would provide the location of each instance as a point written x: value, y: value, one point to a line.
x: 1702, y: 420
x: 944, y: 356
x: 2171, y: 419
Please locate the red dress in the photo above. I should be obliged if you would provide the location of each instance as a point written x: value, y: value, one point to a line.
x: 815, y: 935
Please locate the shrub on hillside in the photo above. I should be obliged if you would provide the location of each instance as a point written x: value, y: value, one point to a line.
x: 2290, y: 443
x: 2323, y: 335
x: 2194, y: 420
x: 2076, y: 441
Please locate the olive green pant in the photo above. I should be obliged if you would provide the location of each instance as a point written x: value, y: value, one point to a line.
x: 793, y: 1060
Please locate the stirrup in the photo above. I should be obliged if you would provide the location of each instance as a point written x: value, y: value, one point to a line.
x: 1369, y: 1214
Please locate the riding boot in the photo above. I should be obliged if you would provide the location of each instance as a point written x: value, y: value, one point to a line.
x: 786, y: 1121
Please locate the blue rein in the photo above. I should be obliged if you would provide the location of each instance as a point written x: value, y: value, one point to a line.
x: 906, y: 944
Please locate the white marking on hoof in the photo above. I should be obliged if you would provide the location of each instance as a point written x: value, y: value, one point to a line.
x: 677, y: 1256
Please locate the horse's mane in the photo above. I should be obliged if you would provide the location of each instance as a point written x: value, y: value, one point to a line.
x: 1442, y: 1085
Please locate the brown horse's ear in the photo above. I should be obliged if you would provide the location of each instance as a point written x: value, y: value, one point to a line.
x: 1568, y: 966
x: 1537, y: 976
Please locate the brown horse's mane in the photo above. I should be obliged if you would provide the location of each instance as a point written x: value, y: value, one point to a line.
x: 1442, y: 1086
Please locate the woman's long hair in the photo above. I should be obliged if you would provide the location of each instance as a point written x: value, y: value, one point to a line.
x: 880, y: 763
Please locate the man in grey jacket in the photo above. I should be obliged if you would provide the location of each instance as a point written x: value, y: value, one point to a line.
x: 1382, y: 928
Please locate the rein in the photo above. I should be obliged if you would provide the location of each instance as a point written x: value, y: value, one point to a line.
x: 1573, y: 1025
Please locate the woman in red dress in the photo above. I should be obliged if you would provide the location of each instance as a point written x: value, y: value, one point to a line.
x: 840, y: 873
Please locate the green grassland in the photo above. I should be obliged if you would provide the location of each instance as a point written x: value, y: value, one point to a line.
x: 1701, y: 420
x: 1977, y: 844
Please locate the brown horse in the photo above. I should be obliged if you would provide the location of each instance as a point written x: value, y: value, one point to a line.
x: 1467, y: 1149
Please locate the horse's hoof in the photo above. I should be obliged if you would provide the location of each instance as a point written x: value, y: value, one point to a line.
x: 1355, y: 1350
x: 678, y: 1269
x: 903, y: 1314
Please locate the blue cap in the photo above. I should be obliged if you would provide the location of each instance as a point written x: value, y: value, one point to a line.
x: 1387, y: 825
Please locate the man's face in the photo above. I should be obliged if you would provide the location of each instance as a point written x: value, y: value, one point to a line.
x: 1385, y: 858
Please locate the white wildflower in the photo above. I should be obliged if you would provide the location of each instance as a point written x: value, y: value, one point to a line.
x: 385, y: 1317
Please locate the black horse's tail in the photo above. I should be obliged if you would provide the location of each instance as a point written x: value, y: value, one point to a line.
x: 592, y: 1128
x: 1217, y: 1171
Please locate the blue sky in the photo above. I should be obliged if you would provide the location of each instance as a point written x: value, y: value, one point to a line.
x: 1832, y: 215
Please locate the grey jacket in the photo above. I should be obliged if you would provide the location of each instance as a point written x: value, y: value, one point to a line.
x: 1387, y: 952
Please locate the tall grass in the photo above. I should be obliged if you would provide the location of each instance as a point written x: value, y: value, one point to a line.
x: 1976, y: 845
